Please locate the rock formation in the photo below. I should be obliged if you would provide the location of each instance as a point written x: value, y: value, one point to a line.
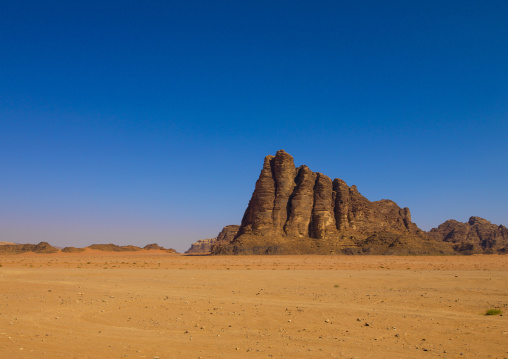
x: 205, y: 245
x: 201, y: 246
x: 72, y: 250
x: 475, y: 236
x: 295, y: 210
x: 42, y: 247
x: 225, y: 237
x: 115, y: 248
x: 155, y: 246
x: 227, y: 234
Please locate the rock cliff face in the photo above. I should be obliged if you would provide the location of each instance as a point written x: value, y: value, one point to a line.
x: 291, y: 201
x: 227, y: 234
x: 201, y: 246
x: 205, y: 245
x: 295, y: 210
x: 475, y: 236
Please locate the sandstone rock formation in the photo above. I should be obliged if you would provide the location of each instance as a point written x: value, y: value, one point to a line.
x: 205, y: 245
x: 155, y: 246
x: 42, y: 247
x: 201, y: 246
x: 475, y: 236
x: 114, y: 248
x: 295, y: 210
x: 227, y: 234
x: 73, y: 250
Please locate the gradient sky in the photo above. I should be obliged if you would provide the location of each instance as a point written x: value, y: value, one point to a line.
x: 136, y: 122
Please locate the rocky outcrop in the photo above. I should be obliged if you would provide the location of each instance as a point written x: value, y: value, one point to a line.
x: 155, y: 246
x: 475, y: 236
x: 72, y: 250
x: 322, y: 220
x: 114, y: 248
x: 42, y: 247
x: 302, y: 203
x: 205, y: 245
x: 227, y: 234
x: 201, y: 246
x: 295, y: 210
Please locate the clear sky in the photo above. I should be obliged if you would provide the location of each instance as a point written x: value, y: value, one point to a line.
x: 135, y: 122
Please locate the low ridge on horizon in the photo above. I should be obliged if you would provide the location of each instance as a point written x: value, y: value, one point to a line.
x: 45, y: 247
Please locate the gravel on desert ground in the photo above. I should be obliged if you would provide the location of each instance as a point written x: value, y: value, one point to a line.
x: 151, y: 304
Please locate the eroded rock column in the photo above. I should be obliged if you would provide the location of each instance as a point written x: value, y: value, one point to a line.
x: 284, y: 174
x: 342, y: 204
x: 323, y: 218
x: 302, y: 202
x: 258, y: 217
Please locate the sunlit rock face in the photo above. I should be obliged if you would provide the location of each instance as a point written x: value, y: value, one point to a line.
x: 296, y: 210
x: 298, y: 202
x: 205, y: 245
x: 475, y: 236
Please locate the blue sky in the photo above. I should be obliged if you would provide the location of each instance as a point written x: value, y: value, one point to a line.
x: 137, y: 122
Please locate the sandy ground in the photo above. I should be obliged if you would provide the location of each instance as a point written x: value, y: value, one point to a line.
x: 152, y: 304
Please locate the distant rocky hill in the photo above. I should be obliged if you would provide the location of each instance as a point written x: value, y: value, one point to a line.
x: 296, y: 211
x: 73, y: 250
x: 227, y: 234
x: 42, y: 247
x: 45, y: 247
x: 475, y: 236
x: 201, y: 246
x: 115, y: 248
x: 205, y: 245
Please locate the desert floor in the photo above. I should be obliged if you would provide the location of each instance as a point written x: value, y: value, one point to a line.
x: 152, y: 304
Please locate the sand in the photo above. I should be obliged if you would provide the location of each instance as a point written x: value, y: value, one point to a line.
x: 152, y: 304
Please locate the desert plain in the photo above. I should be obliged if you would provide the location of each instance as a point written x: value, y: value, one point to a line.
x: 152, y: 304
